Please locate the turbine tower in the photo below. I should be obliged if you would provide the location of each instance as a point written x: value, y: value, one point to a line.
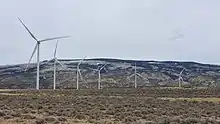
x: 180, y: 79
x: 37, y: 48
x: 78, y: 72
x: 135, y: 76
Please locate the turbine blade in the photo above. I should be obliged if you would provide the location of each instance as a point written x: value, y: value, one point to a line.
x: 27, y: 29
x: 60, y: 63
x: 63, y: 66
x: 81, y: 60
x: 130, y: 76
x: 141, y: 76
x: 35, y: 48
x: 84, y: 57
x: 51, y: 60
x: 181, y: 79
x: 55, y: 51
x: 80, y: 74
x: 102, y: 67
x: 54, y: 38
x: 181, y: 71
x: 105, y: 70
x: 48, y: 61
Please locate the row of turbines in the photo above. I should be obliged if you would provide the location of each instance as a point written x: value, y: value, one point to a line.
x: 99, y: 69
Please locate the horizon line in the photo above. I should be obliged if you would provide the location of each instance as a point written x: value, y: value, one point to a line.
x: 123, y: 59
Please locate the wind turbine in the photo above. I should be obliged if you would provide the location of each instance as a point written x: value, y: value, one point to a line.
x: 78, y: 72
x: 54, y: 68
x: 180, y: 79
x: 99, y: 73
x: 135, y: 76
x: 37, y: 48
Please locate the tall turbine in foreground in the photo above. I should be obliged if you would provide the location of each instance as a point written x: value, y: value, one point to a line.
x: 78, y: 72
x: 135, y: 76
x: 180, y: 79
x: 37, y: 48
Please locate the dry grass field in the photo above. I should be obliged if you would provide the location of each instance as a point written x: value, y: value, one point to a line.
x: 107, y: 106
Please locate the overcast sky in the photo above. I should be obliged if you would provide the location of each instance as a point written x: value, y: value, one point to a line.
x: 127, y: 29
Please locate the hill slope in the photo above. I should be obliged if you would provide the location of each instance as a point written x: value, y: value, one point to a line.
x: 155, y: 73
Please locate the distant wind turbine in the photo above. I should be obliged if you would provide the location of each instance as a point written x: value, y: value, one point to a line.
x: 78, y: 72
x: 54, y: 68
x: 99, y: 73
x: 135, y: 76
x: 37, y: 48
x: 180, y: 78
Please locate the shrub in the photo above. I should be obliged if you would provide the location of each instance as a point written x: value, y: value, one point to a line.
x: 190, y: 121
x: 80, y: 116
x: 2, y: 113
x: 62, y: 119
x: 164, y: 121
x: 50, y: 119
x: 40, y: 121
x: 15, y: 114
x: 7, y: 117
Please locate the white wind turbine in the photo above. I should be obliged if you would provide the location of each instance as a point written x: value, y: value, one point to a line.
x: 180, y: 79
x: 99, y: 73
x: 135, y: 76
x: 78, y: 72
x: 37, y: 48
x: 54, y: 68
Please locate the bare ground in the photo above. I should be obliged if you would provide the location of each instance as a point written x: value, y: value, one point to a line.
x: 141, y: 106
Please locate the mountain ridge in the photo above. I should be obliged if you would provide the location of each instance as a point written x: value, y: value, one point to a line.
x: 158, y: 73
